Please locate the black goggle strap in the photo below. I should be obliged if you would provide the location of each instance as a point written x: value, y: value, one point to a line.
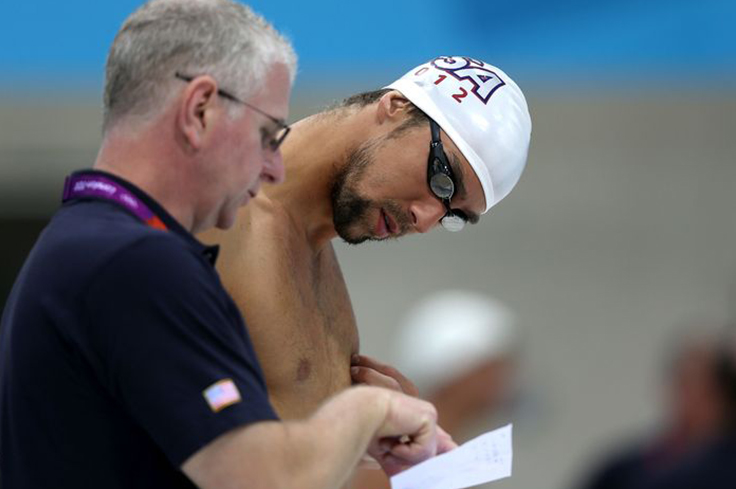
x: 438, y: 151
x: 435, y: 128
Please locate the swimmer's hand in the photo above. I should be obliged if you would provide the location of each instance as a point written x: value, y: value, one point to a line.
x: 369, y: 371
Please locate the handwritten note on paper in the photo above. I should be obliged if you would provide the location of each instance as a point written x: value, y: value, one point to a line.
x: 483, y: 459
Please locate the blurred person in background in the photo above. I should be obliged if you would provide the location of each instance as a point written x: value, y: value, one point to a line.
x: 123, y: 361
x: 712, y: 463
x: 698, y: 422
x: 461, y: 349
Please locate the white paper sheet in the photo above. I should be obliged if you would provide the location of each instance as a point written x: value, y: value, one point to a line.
x: 483, y: 459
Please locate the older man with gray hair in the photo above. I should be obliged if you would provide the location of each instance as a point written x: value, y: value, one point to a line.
x: 123, y: 361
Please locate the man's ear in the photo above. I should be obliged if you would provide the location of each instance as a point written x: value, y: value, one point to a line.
x: 195, y: 114
x: 391, y: 107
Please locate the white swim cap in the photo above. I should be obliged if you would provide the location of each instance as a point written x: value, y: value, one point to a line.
x: 450, y: 333
x: 482, y: 110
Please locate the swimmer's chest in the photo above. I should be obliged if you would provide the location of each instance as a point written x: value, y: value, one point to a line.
x: 317, y: 298
x: 305, y: 334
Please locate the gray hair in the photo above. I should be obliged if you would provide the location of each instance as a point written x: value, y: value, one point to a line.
x: 220, y: 38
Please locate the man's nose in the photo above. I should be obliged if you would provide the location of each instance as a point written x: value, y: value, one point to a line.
x: 425, y: 214
x: 273, y: 168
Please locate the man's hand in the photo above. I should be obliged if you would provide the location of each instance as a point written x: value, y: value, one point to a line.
x: 322, y: 451
x: 369, y: 371
x: 393, y: 464
x: 409, y: 435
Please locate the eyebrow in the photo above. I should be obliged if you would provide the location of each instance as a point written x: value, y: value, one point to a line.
x: 457, y: 172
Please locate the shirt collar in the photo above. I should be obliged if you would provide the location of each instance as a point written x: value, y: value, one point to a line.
x: 209, y: 252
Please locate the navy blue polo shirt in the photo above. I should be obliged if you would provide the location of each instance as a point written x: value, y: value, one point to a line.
x: 111, y: 340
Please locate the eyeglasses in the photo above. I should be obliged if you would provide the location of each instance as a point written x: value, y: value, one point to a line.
x: 279, y: 135
x: 441, y: 181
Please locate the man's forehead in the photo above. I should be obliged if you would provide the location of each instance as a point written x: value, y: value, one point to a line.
x: 275, y: 93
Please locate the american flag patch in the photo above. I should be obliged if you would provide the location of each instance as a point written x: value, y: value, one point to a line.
x: 222, y: 394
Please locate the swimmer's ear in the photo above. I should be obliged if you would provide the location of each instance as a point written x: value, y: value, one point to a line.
x: 195, y: 112
x: 391, y: 106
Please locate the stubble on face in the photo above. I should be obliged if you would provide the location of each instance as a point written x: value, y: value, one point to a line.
x: 351, y: 211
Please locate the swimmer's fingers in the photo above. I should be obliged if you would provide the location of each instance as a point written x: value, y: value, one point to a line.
x: 400, y: 382
x: 368, y: 376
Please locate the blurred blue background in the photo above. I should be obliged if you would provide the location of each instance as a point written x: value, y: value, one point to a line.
x: 63, y: 44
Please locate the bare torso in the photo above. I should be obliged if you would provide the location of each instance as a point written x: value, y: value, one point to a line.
x: 295, y: 304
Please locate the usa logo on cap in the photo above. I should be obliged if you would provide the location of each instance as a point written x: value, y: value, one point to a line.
x: 483, y: 80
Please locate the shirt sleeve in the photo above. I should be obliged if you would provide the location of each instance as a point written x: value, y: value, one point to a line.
x: 173, y: 349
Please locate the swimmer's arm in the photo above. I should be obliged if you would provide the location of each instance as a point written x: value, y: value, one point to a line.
x: 322, y: 451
